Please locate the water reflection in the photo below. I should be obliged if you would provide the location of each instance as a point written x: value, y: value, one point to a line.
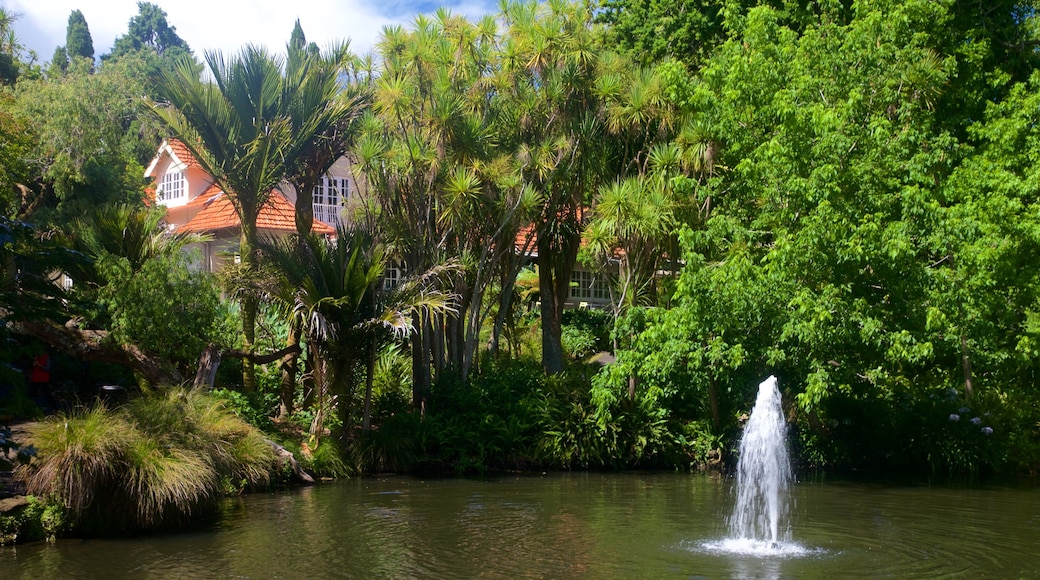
x: 567, y: 526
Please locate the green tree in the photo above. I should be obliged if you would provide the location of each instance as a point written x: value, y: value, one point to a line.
x: 59, y: 63
x: 148, y: 29
x: 551, y: 63
x: 324, y: 114
x: 138, y: 283
x: 89, y: 137
x: 236, y: 127
x: 10, y: 47
x: 15, y: 142
x: 436, y: 153
x: 78, y: 42
x: 333, y: 290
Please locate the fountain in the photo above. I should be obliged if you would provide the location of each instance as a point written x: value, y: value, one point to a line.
x: 759, y: 525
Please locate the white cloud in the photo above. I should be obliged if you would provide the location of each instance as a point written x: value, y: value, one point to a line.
x: 227, y: 25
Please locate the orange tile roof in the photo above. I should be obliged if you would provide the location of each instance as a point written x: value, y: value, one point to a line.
x: 218, y: 214
x: 205, y: 197
x: 182, y: 153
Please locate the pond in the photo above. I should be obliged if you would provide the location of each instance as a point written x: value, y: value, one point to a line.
x: 576, y: 525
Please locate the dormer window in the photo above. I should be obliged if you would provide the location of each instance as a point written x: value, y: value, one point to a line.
x: 173, y: 188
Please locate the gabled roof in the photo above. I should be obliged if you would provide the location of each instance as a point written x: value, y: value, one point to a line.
x: 218, y: 214
x: 179, y: 154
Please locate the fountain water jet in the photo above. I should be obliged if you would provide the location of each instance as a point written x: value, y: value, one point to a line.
x: 759, y: 524
x: 763, y: 472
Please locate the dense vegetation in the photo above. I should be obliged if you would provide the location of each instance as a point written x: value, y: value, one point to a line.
x: 841, y: 193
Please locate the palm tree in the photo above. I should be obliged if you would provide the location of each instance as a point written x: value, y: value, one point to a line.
x: 551, y: 70
x: 133, y: 232
x: 331, y: 288
x: 323, y: 116
x: 239, y: 129
x: 447, y: 185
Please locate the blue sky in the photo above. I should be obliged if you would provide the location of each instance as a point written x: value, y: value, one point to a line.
x: 227, y: 25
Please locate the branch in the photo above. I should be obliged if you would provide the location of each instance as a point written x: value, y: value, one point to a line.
x: 93, y: 345
x: 262, y: 359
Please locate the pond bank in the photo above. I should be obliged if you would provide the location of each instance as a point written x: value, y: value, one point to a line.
x: 21, y: 435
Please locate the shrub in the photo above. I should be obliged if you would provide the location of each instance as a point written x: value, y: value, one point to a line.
x: 159, y: 460
x: 38, y: 519
x: 585, y: 332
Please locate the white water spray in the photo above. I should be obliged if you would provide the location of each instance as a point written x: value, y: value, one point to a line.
x: 763, y: 472
x: 759, y: 525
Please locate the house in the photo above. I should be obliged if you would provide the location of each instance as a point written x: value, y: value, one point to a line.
x: 195, y: 203
x: 588, y: 288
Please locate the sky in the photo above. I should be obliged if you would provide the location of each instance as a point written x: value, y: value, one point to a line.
x: 228, y: 25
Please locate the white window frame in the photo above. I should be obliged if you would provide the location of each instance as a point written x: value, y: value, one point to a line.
x: 329, y: 198
x: 392, y: 274
x: 332, y: 191
x: 586, y: 285
x: 173, y: 188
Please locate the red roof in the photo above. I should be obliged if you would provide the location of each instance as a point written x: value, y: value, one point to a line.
x: 218, y: 214
x: 182, y: 153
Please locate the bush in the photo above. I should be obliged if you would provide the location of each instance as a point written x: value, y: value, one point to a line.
x: 38, y: 519
x: 585, y: 332
x: 160, y: 460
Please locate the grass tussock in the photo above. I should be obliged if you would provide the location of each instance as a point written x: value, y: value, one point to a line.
x: 158, y: 460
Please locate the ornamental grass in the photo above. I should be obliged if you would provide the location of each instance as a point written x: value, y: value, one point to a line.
x: 157, y: 461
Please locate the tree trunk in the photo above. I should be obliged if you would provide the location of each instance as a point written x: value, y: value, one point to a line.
x: 249, y: 304
x: 557, y: 253
x: 969, y: 388
x: 94, y: 345
x: 370, y: 371
x: 552, y: 329
x: 321, y: 386
x: 304, y: 207
x: 209, y: 361
x: 310, y: 388
x: 299, y: 473
x: 290, y: 368
x: 420, y: 363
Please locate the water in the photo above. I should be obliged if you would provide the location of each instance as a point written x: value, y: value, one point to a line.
x: 631, y: 525
x: 759, y: 524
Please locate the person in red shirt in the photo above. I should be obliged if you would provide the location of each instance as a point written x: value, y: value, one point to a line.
x: 40, y: 378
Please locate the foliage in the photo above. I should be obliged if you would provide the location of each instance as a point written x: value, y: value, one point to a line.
x: 140, y: 284
x: 39, y: 519
x: 488, y: 423
x: 255, y: 408
x: 159, y: 460
x: 78, y: 42
x: 851, y: 243
x: 89, y: 140
x: 148, y: 29
x: 585, y: 332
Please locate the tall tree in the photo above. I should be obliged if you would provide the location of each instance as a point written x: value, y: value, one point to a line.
x: 436, y: 154
x: 552, y: 64
x: 148, y: 29
x: 78, y: 42
x: 323, y: 114
x: 331, y: 288
x: 91, y: 136
x: 10, y: 47
x: 236, y: 127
